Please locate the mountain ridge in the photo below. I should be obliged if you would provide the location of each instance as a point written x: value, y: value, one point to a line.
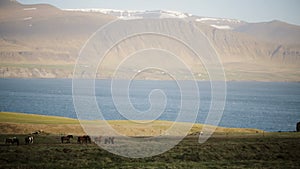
x: 44, y: 41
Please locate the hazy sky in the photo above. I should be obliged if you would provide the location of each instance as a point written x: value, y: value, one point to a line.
x: 247, y: 10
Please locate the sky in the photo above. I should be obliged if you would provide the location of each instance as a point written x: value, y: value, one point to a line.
x: 246, y: 10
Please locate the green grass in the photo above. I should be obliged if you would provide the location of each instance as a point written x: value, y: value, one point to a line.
x: 21, y: 123
x: 271, y: 151
x: 228, y: 148
x: 9, y: 117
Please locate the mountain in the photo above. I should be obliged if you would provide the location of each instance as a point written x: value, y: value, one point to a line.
x: 274, y: 31
x: 135, y: 14
x: 44, y: 41
x: 220, y: 23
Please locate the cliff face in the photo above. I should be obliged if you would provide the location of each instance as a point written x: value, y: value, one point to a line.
x: 241, y: 47
x: 43, y: 41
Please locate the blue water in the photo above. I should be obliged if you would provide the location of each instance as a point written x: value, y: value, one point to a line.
x: 270, y: 106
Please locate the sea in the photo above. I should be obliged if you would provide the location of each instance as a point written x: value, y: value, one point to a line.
x: 269, y: 106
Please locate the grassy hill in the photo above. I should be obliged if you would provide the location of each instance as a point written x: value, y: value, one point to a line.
x: 20, y: 123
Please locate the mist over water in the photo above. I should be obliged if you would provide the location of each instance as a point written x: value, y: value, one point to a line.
x: 271, y: 106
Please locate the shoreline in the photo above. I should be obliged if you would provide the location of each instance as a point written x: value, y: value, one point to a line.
x: 197, y: 80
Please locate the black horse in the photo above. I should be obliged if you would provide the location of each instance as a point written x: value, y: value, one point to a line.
x: 66, y: 138
x: 29, y: 140
x: 109, y: 140
x: 84, y: 139
x: 12, y: 140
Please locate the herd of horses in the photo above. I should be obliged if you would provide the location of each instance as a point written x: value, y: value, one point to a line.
x: 80, y: 139
x: 15, y: 140
x: 64, y: 139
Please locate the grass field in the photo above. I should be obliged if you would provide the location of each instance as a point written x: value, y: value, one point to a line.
x: 271, y: 151
x: 20, y: 123
x: 225, y: 149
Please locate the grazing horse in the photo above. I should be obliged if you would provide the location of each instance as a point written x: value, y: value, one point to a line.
x: 97, y: 139
x: 109, y: 140
x: 29, y: 140
x: 66, y: 138
x: 12, y: 140
x: 84, y: 139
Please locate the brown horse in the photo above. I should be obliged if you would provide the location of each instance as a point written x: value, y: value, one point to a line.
x: 12, y: 140
x: 84, y: 139
x: 66, y: 138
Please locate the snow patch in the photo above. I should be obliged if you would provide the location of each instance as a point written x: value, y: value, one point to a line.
x: 175, y: 14
x: 105, y: 11
x: 29, y: 9
x: 206, y: 19
x: 134, y: 14
x: 221, y: 26
x: 217, y: 19
x: 27, y: 18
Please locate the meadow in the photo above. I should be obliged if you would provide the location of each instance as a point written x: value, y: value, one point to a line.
x: 227, y: 148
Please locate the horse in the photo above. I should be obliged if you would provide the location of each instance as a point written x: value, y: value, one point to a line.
x: 84, y: 139
x: 12, y: 140
x: 109, y: 140
x: 37, y: 132
x: 97, y: 139
x: 29, y: 140
x: 66, y: 138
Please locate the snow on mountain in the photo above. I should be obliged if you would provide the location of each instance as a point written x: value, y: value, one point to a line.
x: 221, y: 26
x: 219, y: 23
x: 136, y: 14
x: 205, y: 19
x: 175, y: 14
x: 105, y: 11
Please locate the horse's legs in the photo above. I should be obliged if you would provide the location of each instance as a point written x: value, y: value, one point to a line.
x: 112, y: 140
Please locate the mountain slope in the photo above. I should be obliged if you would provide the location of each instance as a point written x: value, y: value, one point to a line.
x: 44, y: 41
x: 274, y: 31
x: 35, y: 34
